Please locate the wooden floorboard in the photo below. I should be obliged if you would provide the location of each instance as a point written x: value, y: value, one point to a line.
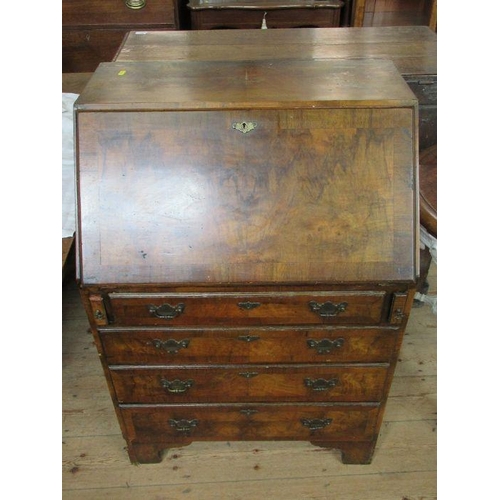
x: 96, y: 465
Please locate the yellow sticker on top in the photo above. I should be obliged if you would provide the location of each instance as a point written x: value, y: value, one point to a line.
x: 122, y: 72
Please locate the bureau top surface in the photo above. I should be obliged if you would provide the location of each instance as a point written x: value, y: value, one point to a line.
x: 289, y: 173
x: 234, y: 84
x: 413, y: 49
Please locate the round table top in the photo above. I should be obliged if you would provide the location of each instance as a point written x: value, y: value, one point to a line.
x: 428, y: 189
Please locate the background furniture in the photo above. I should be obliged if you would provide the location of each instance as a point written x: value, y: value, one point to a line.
x: 413, y: 49
x: 390, y: 13
x: 217, y: 14
x: 247, y: 247
x: 428, y: 189
x: 428, y: 220
x: 92, y: 30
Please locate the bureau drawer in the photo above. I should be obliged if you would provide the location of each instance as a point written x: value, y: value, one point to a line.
x: 321, y: 421
x: 252, y: 383
x: 248, y: 345
x: 250, y: 309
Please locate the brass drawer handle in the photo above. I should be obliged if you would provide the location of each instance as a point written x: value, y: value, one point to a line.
x: 327, y: 309
x: 176, y: 386
x: 315, y: 424
x: 135, y: 4
x: 325, y: 346
x: 183, y: 425
x: 248, y: 306
x: 320, y: 384
x: 172, y: 346
x: 166, y: 311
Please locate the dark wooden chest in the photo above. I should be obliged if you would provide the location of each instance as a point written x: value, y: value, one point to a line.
x: 93, y: 30
x: 261, y: 14
x: 247, y: 247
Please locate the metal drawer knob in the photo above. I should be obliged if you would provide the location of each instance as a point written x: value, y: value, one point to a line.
x: 98, y: 314
x: 135, y: 4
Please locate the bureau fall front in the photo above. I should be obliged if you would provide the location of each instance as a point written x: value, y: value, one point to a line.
x: 247, y: 247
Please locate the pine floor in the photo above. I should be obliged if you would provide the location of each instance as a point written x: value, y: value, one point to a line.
x: 96, y: 465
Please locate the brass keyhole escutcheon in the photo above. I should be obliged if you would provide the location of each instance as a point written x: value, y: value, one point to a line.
x: 244, y: 127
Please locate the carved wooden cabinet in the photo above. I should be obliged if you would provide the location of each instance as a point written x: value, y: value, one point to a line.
x: 247, y: 247
x: 249, y: 14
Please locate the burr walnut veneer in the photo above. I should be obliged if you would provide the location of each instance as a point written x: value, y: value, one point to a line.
x: 247, y: 247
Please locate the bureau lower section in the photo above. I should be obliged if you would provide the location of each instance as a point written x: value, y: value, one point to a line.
x: 151, y: 428
x: 309, y: 365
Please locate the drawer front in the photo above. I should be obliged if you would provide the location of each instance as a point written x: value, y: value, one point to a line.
x: 250, y: 383
x: 251, y: 309
x: 252, y: 18
x: 248, y: 345
x: 340, y: 422
x: 116, y: 12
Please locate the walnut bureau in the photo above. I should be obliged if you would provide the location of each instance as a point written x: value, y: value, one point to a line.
x: 247, y: 247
